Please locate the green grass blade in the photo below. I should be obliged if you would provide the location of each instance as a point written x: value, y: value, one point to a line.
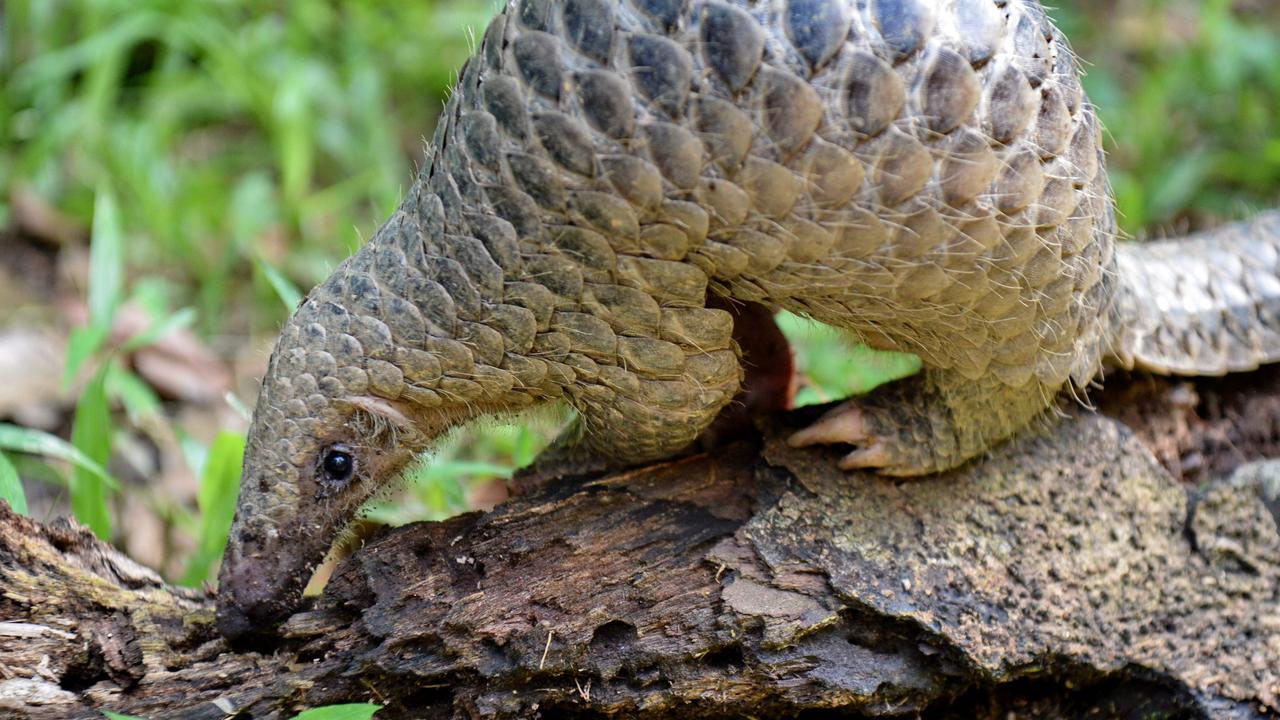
x: 119, y: 716
x: 91, y: 434
x: 11, y: 486
x: 185, y: 317
x: 239, y: 406
x: 285, y: 290
x: 106, y: 283
x: 354, y: 711
x: 49, y: 68
x: 139, y: 400
x: 36, y: 442
x: 467, y: 468
x: 84, y: 342
x: 526, y: 447
x: 834, y: 365
x: 219, y: 485
x: 293, y: 116
x: 106, y: 261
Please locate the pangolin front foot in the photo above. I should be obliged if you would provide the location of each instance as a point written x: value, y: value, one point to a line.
x: 931, y: 422
x: 881, y: 441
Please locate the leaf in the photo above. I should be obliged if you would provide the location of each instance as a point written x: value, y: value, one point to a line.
x: 464, y: 468
x: 253, y: 210
x: 37, y: 442
x: 526, y: 447
x: 84, y: 342
x: 285, y: 290
x: 51, y: 66
x: 1177, y: 184
x: 833, y: 367
x: 239, y: 407
x: 11, y: 486
x: 353, y: 711
x: 119, y: 716
x: 293, y: 126
x: 219, y: 485
x: 106, y: 261
x: 106, y: 282
x: 182, y: 318
x: 139, y: 400
x: 91, y: 434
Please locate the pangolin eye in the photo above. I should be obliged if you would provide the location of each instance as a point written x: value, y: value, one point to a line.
x: 338, y: 464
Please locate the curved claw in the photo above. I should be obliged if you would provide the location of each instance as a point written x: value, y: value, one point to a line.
x: 843, y: 425
x: 852, y: 424
x: 875, y: 456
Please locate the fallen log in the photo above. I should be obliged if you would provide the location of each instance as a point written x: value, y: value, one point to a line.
x: 1065, y: 576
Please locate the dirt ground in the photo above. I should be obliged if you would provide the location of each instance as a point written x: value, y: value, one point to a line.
x: 1201, y: 429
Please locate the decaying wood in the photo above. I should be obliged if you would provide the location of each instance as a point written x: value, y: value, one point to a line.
x: 1066, y: 576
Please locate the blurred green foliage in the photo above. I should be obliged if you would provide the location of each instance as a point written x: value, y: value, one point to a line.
x: 219, y: 487
x: 354, y: 711
x: 236, y: 150
x: 1189, y: 94
x: 11, y: 486
x: 232, y: 129
x: 834, y: 366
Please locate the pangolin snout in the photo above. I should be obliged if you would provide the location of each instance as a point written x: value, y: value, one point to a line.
x: 257, y: 589
x: 267, y: 563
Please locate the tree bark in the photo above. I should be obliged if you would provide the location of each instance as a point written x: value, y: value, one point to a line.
x: 1067, y: 575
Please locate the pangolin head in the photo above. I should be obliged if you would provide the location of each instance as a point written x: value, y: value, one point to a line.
x: 328, y: 431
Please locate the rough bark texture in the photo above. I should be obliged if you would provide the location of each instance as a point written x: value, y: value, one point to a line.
x: 1066, y: 576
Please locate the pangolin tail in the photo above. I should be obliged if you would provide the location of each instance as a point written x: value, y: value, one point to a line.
x: 1206, y: 304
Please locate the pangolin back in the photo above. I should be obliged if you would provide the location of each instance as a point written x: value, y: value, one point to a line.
x: 927, y: 175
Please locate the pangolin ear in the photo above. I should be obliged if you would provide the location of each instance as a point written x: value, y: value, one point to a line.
x: 385, y: 415
x: 382, y: 408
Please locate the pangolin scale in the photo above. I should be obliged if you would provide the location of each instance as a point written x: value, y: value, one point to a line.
x: 609, y: 176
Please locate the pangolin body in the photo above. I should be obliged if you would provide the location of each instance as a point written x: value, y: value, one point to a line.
x: 925, y: 174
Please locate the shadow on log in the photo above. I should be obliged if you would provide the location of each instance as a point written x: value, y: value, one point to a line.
x: 1066, y: 576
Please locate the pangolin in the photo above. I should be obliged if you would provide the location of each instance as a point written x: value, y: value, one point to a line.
x: 611, y: 178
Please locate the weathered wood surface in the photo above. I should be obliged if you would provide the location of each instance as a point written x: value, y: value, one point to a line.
x: 1066, y: 576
